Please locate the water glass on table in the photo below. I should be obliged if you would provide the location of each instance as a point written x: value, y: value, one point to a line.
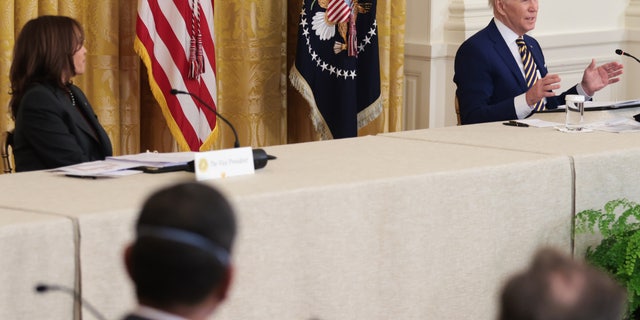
x: 574, y: 112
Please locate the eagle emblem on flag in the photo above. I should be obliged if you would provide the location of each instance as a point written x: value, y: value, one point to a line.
x: 337, y: 67
x: 341, y: 15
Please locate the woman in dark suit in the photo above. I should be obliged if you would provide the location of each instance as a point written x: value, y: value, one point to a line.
x: 54, y: 123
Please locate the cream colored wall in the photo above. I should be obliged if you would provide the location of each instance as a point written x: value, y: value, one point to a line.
x: 571, y: 33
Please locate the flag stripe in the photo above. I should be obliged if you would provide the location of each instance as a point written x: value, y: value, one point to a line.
x: 206, y: 18
x: 164, y: 72
x: 164, y: 30
x: 209, y: 92
x: 162, y: 81
x: 338, y: 11
x: 208, y: 44
x: 338, y: 17
x: 179, y: 58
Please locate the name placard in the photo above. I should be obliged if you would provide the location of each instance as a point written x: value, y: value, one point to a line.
x: 223, y: 163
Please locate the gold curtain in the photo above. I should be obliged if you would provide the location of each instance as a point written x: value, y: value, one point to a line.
x: 391, y: 15
x: 111, y: 81
x: 255, y: 47
x: 251, y: 54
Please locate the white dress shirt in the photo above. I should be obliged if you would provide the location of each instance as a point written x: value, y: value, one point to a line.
x: 155, y: 314
x: 520, y: 102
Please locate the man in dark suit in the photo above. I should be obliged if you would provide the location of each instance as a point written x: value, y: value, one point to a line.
x: 180, y: 260
x: 492, y: 80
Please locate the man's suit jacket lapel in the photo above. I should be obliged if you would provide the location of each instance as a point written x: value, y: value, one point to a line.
x: 505, y: 54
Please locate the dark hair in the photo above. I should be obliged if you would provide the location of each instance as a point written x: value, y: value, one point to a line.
x: 170, y: 273
x: 587, y: 293
x: 43, y: 53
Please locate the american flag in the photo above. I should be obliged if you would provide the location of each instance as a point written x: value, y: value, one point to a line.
x: 175, y: 40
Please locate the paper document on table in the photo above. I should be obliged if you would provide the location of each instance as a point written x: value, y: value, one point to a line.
x: 156, y: 159
x: 618, y: 125
x: 102, y: 168
x: 121, y: 165
x: 604, y: 105
x: 627, y: 103
x: 537, y: 123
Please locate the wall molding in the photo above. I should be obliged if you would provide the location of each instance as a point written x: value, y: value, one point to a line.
x: 466, y: 18
x: 417, y: 51
x: 581, y: 39
x: 432, y: 51
x: 412, y: 116
x: 632, y: 15
x: 416, y: 73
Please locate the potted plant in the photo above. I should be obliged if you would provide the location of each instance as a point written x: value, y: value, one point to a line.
x: 619, y: 251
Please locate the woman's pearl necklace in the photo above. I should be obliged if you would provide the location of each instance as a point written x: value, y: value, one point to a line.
x: 73, y: 98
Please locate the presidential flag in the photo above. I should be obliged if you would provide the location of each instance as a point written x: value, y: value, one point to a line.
x: 175, y: 40
x: 337, y: 67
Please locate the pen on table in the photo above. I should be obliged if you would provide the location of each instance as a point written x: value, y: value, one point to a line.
x: 80, y: 176
x: 515, y: 123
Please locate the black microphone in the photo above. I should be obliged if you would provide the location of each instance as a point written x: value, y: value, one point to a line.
x: 622, y: 53
x: 44, y: 288
x: 260, y: 157
x: 236, y: 144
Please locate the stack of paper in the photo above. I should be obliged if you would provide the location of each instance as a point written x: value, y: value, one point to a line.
x: 124, y: 165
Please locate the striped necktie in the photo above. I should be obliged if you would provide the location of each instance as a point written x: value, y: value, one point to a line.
x: 530, y: 69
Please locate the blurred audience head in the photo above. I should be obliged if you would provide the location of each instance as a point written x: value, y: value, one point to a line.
x: 180, y: 259
x: 556, y: 287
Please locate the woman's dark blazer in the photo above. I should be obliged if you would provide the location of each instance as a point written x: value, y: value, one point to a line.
x: 50, y: 132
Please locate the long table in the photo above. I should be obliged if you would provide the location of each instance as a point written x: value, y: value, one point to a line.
x: 413, y: 225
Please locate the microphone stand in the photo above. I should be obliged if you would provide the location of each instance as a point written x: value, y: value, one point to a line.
x: 620, y: 53
x: 44, y: 288
x: 260, y: 157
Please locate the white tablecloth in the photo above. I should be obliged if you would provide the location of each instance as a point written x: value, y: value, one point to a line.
x: 368, y: 228
x: 36, y: 248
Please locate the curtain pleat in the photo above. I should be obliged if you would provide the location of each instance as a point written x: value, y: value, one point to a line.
x: 251, y: 55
